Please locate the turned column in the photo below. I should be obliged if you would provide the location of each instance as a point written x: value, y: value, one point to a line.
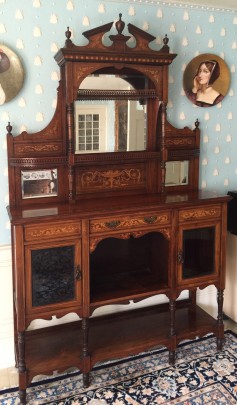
x: 85, y: 351
x: 22, y: 368
x: 172, y: 308
x: 220, y: 338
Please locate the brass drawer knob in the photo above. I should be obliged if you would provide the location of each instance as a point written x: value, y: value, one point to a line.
x: 150, y: 220
x: 112, y: 224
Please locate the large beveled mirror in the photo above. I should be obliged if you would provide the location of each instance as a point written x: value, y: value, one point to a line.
x: 110, y: 115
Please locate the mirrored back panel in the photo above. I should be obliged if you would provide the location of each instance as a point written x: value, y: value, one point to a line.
x: 110, y: 115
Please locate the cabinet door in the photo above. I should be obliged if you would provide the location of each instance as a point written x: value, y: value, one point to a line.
x: 53, y: 276
x: 198, y: 253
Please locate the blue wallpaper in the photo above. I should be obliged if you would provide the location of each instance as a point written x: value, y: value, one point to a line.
x: 34, y: 29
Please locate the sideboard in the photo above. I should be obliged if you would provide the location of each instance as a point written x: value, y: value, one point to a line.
x: 105, y: 209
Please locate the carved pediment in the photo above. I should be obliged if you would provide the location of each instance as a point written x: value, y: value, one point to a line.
x: 96, y: 48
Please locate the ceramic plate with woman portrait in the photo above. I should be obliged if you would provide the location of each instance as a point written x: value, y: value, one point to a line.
x: 206, y: 80
x: 11, y: 74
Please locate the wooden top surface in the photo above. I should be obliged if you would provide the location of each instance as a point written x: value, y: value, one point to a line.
x: 87, y: 208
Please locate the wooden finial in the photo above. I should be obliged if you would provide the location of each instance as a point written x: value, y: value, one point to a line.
x: 9, y: 129
x: 120, y: 25
x: 165, y: 47
x: 165, y: 40
x: 68, y: 34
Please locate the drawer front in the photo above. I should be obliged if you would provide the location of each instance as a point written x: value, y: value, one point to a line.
x: 151, y: 220
x: 52, y: 231
x: 199, y: 213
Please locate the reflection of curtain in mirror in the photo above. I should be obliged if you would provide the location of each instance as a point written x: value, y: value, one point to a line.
x: 121, y: 124
x: 130, y: 126
x: 135, y: 136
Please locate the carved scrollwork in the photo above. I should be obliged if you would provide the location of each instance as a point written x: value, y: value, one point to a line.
x: 126, y: 235
x: 166, y: 232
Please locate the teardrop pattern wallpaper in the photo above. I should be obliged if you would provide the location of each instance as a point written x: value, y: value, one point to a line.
x: 35, y: 30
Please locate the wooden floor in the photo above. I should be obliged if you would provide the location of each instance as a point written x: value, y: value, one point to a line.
x: 9, y: 376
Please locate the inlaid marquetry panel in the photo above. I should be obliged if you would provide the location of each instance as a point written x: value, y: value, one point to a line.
x: 200, y: 213
x: 37, y: 148
x: 52, y: 231
x: 100, y: 180
x: 121, y: 223
x: 180, y: 142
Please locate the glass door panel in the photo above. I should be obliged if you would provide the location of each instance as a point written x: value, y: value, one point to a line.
x: 53, y: 275
x: 198, y: 252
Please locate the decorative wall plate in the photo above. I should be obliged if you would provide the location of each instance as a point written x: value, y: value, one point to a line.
x: 11, y: 74
x: 206, y: 80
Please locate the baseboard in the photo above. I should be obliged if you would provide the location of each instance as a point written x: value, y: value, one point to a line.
x: 6, y: 314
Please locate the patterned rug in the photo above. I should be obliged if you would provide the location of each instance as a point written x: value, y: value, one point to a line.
x: 200, y: 376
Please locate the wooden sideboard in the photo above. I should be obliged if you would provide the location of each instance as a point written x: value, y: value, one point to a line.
x: 92, y: 228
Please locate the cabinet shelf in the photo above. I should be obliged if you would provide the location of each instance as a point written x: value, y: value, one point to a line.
x: 131, y: 285
x: 129, y: 269
x: 111, y: 336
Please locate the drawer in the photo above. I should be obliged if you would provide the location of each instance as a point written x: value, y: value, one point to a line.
x: 199, y: 213
x: 130, y: 222
x: 52, y: 231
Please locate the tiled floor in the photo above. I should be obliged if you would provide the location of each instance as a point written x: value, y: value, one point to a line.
x: 9, y: 376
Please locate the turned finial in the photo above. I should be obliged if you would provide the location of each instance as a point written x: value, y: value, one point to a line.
x: 68, y: 34
x: 165, y: 40
x: 9, y: 129
x: 120, y: 25
x: 197, y: 123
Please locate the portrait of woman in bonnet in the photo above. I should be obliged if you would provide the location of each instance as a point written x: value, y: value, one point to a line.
x: 11, y: 74
x: 207, y: 87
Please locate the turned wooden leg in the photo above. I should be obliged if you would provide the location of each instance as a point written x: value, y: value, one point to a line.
x: 172, y: 357
x: 220, y: 338
x: 172, y: 306
x: 22, y: 368
x: 85, y: 351
x: 193, y: 297
x: 16, y: 350
x: 86, y: 380
x: 22, y: 397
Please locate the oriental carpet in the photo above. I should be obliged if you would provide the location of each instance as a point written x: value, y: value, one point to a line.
x: 201, y: 375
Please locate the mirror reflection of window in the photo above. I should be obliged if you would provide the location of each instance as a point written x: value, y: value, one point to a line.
x: 176, y: 173
x: 109, y: 125
x: 90, y: 128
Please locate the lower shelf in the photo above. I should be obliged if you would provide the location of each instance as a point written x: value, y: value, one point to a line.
x: 114, y: 336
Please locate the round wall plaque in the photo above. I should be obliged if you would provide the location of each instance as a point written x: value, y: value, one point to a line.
x: 206, y: 80
x: 11, y: 74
